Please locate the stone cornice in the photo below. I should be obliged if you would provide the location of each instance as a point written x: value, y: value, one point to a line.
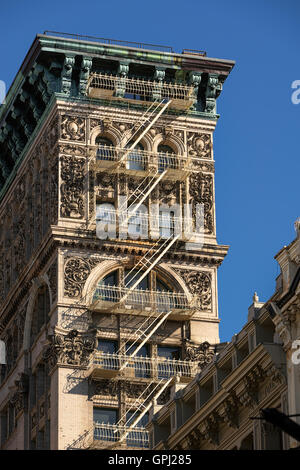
x: 257, y: 365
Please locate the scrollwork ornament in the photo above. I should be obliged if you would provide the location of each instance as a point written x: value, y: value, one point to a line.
x: 203, y: 353
x: 199, y: 284
x: 199, y: 145
x: 201, y: 192
x: 77, y: 271
x: 72, y: 175
x: 71, y: 349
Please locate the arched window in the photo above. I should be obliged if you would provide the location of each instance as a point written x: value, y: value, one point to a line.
x: 40, y: 312
x: 166, y: 158
x: 109, y: 289
x: 104, y: 151
x: 135, y: 158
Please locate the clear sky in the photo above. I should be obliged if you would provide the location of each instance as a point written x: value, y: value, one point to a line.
x: 256, y: 142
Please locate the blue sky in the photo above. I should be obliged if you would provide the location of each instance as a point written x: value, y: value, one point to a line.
x: 256, y: 142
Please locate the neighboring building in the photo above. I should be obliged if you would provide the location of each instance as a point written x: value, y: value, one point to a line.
x: 97, y: 328
x: 259, y: 368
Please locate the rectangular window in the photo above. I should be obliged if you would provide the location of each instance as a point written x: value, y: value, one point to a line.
x: 107, y: 347
x: 142, y: 368
x: 104, y: 419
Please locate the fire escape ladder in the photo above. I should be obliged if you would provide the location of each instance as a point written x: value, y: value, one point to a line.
x: 148, y: 261
x: 140, y: 194
x: 143, y: 404
x: 163, y: 316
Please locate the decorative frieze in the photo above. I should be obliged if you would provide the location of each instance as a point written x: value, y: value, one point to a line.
x: 202, y: 192
x: 229, y: 410
x: 210, y: 428
x: 133, y: 390
x: 72, y: 191
x: 76, y: 272
x: 249, y: 395
x: 18, y: 393
x: 106, y: 387
x: 199, y: 283
x: 52, y: 275
x: 199, y: 145
x: 66, y: 75
x: 105, y: 186
x: 73, y: 149
x: 73, y: 128
x: 203, y: 353
x: 72, y: 349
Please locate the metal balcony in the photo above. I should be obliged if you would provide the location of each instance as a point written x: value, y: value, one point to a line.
x: 108, y: 435
x: 105, y: 87
x: 106, y: 365
x: 142, y: 302
x: 141, y: 162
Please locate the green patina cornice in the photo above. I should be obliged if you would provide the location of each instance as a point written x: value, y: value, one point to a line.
x: 27, y: 146
x: 170, y: 59
x: 55, y: 44
x: 17, y: 83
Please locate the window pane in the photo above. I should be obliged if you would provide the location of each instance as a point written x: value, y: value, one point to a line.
x: 137, y: 438
x: 108, y: 347
x: 143, y: 352
x: 103, y: 152
x: 168, y: 352
x: 110, y: 279
x: 103, y: 418
x: 131, y: 278
x: 135, y: 158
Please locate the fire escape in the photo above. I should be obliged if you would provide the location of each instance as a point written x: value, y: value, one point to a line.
x: 154, y: 306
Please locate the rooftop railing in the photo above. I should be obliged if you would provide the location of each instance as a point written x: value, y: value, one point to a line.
x: 114, y: 42
x: 104, y: 86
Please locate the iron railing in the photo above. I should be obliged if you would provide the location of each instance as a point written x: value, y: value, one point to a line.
x: 113, y: 42
x: 138, y: 159
x: 145, y: 89
x: 146, y: 367
x: 160, y: 301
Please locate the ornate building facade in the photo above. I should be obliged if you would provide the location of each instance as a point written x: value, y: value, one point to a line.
x: 100, y: 311
x: 258, y: 369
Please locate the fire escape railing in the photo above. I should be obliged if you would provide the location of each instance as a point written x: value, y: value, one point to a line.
x: 146, y: 367
x: 112, y: 433
x: 146, y: 90
x: 160, y: 301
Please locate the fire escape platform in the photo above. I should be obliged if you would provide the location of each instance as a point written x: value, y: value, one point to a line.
x: 140, y: 370
x: 133, y: 90
x: 100, y: 93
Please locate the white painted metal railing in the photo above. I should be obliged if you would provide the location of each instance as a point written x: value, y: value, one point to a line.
x: 138, y: 159
x: 146, y: 89
x: 145, y: 366
x: 161, y: 301
x: 135, y: 436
